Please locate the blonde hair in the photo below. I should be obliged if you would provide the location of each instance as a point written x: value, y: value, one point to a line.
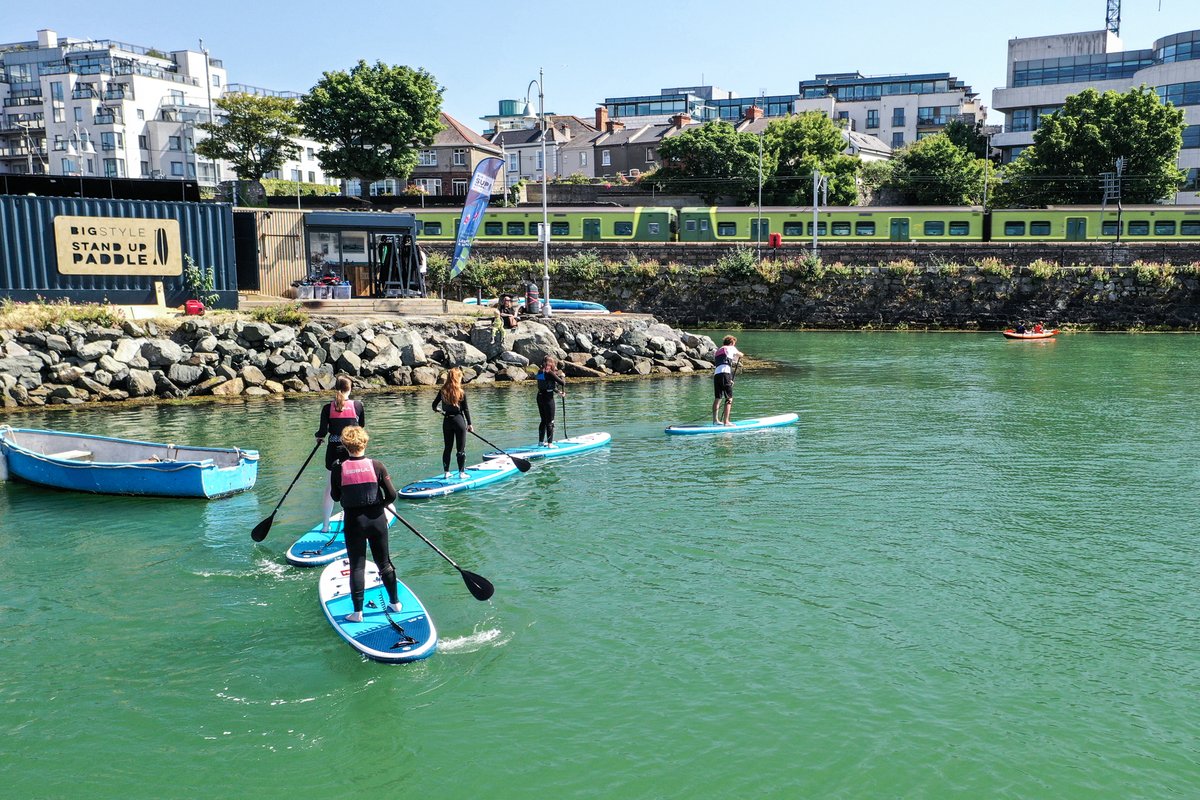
x: 452, y: 391
x: 355, y: 439
x: 341, y: 387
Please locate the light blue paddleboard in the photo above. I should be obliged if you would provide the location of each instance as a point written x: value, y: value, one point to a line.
x: 383, y: 635
x: 735, y: 427
x: 563, y: 447
x: 478, y: 475
x: 316, y: 549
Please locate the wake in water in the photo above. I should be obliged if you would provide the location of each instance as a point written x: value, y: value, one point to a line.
x: 475, y: 642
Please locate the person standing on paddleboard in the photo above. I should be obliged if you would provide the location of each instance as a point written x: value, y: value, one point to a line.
x: 364, y: 488
x: 335, y: 418
x: 550, y: 382
x: 456, y: 423
x: 725, y: 359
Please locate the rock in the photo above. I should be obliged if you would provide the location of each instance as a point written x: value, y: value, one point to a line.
x: 514, y: 359
x: 582, y: 342
x: 114, y: 395
x: 349, y: 363
x: 109, y: 364
x: 659, y: 330
x: 486, y: 338
x: 643, y: 366
x: 102, y: 377
x: 131, y: 328
x: 185, y: 375
x: 252, y: 376
x: 230, y: 388
x: 621, y: 364
x: 386, y: 361
x: 62, y: 393
x: 65, y: 373
x: 294, y: 385
x: 206, y: 386
x: 13, y: 349
x: 375, y: 346
x: 58, y: 344
x: 400, y: 376
x: 165, y: 386
x: 578, y: 358
x: 140, y: 383
x: 627, y: 350
x: 425, y: 376
x: 273, y: 387
x: 281, y: 338
x: 636, y: 339
x: 127, y: 350
x: 462, y: 354
x: 93, y: 387
x: 205, y: 344
x: 575, y: 370
x: 485, y: 377
x: 254, y: 332
x: 514, y: 374
x: 161, y: 352
x: 535, y: 341
x: 256, y: 391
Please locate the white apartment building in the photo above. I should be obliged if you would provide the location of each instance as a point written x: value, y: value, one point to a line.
x: 1044, y: 70
x: 111, y: 109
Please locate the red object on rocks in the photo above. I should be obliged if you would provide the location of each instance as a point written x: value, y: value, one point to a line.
x: 193, y: 308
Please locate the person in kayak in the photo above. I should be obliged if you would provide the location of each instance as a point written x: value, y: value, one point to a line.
x: 364, y: 488
x: 335, y: 418
x: 508, y: 313
x: 551, y: 382
x: 456, y: 423
x: 724, y: 360
x: 1038, y: 328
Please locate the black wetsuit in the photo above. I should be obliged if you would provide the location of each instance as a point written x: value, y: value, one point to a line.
x: 364, y: 489
x: 333, y: 422
x: 549, y: 383
x: 454, y: 430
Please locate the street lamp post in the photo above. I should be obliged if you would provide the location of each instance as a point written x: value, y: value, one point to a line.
x: 84, y: 138
x: 539, y: 81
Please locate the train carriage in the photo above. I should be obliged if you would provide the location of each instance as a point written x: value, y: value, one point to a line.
x: 847, y: 223
x: 1094, y: 223
x: 632, y: 224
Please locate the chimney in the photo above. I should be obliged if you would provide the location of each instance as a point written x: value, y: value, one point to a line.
x: 601, y: 118
x: 681, y: 120
x: 753, y: 113
x: 47, y: 38
x: 614, y: 126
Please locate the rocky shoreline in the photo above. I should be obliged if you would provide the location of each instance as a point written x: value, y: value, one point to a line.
x: 74, y: 364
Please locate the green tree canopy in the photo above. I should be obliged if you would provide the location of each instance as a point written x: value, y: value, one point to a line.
x: 935, y: 171
x: 968, y: 136
x: 1075, y: 145
x: 710, y: 160
x: 372, y: 119
x: 255, y: 134
x: 799, y: 144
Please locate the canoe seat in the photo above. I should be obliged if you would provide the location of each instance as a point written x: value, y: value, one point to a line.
x: 72, y: 455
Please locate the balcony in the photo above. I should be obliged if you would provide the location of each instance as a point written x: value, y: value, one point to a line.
x: 118, y: 93
x: 83, y: 92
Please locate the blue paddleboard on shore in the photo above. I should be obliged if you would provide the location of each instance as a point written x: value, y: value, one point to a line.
x: 383, y: 635
x: 563, y: 447
x: 478, y: 475
x: 316, y: 549
x: 735, y: 427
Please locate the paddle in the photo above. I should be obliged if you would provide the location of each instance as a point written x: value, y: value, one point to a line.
x: 521, y: 463
x: 563, y: 395
x: 479, y: 586
x: 263, y: 528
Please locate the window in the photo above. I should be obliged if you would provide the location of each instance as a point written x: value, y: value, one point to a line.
x: 897, y: 139
x: 460, y: 157
x: 1014, y: 229
x: 516, y: 229
x: 649, y: 155
x: 872, y: 118
x: 1189, y: 227
x: 1112, y: 228
x: 177, y: 169
x: 537, y: 160
x: 820, y: 229
x: 726, y: 229
x: 1164, y: 227
x: 145, y: 169
x: 112, y: 141
x: 514, y: 162
x: 793, y: 229
x: 69, y: 166
x: 560, y: 229
x: 114, y: 168
x: 1191, y: 137
x: 143, y: 142
x: 56, y: 92
x: 174, y: 143
x: 703, y: 224
x: 623, y: 228
x: 191, y: 169
x: 459, y: 186
x: 310, y: 153
x: 689, y: 225
x: 934, y: 228
x: 840, y: 228
x: 583, y: 158
x: 864, y: 229
x: 493, y: 228
x: 1138, y: 227
x: 605, y: 158
x: 1039, y: 228
x: 216, y: 80
x: 433, y: 229
x: 312, y: 176
x: 427, y: 158
x: 141, y: 114
x: 78, y: 114
x: 296, y: 176
x: 960, y: 228
x: 59, y: 114
x: 652, y: 228
x: 432, y: 186
x: 897, y: 117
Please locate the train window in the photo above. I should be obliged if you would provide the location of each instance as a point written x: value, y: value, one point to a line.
x: 623, y: 229
x: 1164, y: 227
x: 864, y: 229
x: 726, y: 229
x: 1040, y: 228
x: 1189, y: 227
x: 820, y: 229
x: 516, y: 228
x: 1014, y: 229
x: 960, y: 229
x: 560, y: 229
x: 841, y: 229
x: 793, y: 229
x: 652, y: 228
x: 703, y: 224
x: 433, y: 229
x: 493, y: 228
x: 1110, y: 228
x: 689, y: 225
x: 935, y: 228
x: 1138, y: 227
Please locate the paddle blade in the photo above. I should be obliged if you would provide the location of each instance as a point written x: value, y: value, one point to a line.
x: 521, y: 463
x: 480, y: 586
x: 262, y: 529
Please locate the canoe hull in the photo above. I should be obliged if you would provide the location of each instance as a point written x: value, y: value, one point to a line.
x: 1031, y: 336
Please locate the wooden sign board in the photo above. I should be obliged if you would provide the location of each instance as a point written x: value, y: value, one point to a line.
x: 117, y: 246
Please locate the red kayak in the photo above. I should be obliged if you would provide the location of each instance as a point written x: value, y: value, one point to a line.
x: 1048, y: 334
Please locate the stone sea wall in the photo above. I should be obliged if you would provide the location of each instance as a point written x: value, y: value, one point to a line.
x: 73, y: 364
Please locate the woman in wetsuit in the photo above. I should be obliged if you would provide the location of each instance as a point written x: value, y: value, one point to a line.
x: 550, y: 382
x: 365, y: 490
x: 335, y: 418
x: 457, y: 420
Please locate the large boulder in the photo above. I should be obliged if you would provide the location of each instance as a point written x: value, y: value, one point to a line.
x: 127, y: 350
x: 425, y: 376
x: 230, y: 388
x: 535, y: 341
x: 514, y: 374
x: 282, y: 337
x: 411, y: 347
x: 161, y: 352
x: 91, y: 351
x: 349, y: 363
x: 460, y: 354
x: 575, y: 370
x: 252, y: 376
x: 509, y: 358
x: 254, y: 332
x: 139, y: 383
x: 185, y: 375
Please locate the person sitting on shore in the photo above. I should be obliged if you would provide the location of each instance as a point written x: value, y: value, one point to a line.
x: 508, y: 313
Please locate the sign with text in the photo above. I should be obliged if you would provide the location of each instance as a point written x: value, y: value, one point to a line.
x: 117, y: 246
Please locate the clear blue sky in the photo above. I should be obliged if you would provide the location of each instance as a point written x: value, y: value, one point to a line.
x: 483, y: 52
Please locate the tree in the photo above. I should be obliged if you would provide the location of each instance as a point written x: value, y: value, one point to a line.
x: 967, y: 136
x: 935, y: 171
x: 799, y: 144
x: 1075, y: 145
x: 372, y: 119
x: 710, y: 160
x: 255, y: 134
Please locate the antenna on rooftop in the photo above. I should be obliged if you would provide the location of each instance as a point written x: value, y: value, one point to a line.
x: 1112, y: 19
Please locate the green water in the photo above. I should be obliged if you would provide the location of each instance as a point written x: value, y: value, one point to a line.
x: 970, y: 571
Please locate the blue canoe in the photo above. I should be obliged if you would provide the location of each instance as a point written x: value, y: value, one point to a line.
x: 563, y: 447
x: 478, y: 475
x: 735, y: 427
x: 383, y: 635
x: 100, y: 464
x: 316, y: 549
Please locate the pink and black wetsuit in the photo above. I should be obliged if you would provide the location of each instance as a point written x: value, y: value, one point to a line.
x: 333, y: 422
x: 364, y: 488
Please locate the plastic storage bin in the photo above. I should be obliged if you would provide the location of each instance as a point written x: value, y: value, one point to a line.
x: 304, y: 292
x: 321, y: 292
x: 341, y: 291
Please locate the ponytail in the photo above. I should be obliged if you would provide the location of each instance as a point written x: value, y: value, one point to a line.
x: 341, y: 387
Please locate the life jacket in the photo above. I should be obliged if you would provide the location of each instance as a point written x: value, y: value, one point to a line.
x: 360, y: 484
x: 340, y: 420
x: 546, y: 383
x: 721, y: 357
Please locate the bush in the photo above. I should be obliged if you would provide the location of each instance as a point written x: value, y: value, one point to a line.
x: 42, y: 314
x: 994, y: 266
x: 280, y: 314
x: 437, y: 269
x: 810, y: 266
x: 1152, y: 274
x: 199, y: 282
x: 582, y: 267
x: 739, y: 266
x: 903, y: 267
x: 1043, y: 269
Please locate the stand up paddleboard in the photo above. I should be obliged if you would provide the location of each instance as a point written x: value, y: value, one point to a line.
x: 392, y: 636
x: 316, y: 549
x: 477, y: 475
x: 563, y: 447
x: 735, y: 427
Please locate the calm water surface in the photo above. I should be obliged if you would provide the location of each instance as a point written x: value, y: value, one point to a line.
x: 970, y: 571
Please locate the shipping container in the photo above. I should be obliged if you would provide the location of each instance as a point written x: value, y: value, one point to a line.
x: 270, y: 250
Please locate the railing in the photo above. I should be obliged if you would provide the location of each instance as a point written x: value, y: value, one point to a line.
x: 23, y: 101
x: 84, y: 92
x: 118, y: 94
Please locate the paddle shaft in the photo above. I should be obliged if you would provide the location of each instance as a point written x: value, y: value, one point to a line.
x: 263, y: 528
x: 566, y: 434
x: 480, y: 586
x: 522, y: 464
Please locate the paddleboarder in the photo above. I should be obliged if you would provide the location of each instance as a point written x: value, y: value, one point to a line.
x: 456, y: 421
x: 551, y: 382
x: 364, y: 488
x: 335, y: 418
x: 724, y: 359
